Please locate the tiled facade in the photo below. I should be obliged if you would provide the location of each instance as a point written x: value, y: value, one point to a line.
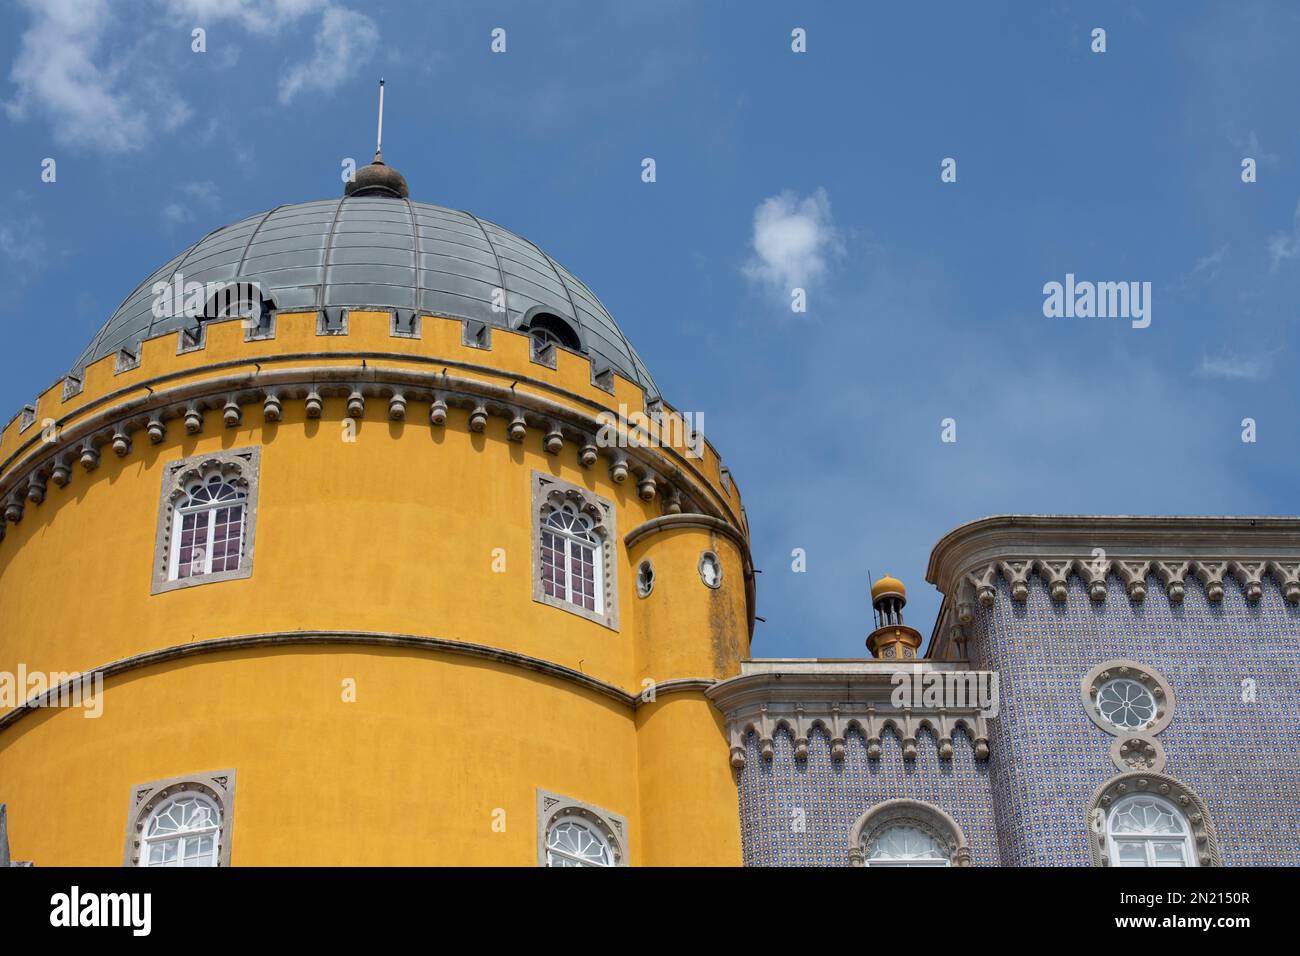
x: 1242, y: 757
x: 833, y: 794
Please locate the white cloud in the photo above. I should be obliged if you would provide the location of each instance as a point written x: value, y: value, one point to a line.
x: 56, y: 73
x: 1285, y: 245
x: 256, y: 16
x: 344, y: 41
x: 78, y: 68
x: 793, y: 240
x: 1250, y: 368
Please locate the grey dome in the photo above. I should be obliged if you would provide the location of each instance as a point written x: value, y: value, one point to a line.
x: 384, y: 252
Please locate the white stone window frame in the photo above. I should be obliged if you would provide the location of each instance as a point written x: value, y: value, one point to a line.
x: 1149, y: 677
x: 554, y: 807
x: 710, y: 559
x: 145, y: 798
x: 240, y: 466
x: 926, y: 817
x: 550, y: 492
x: 1204, y: 840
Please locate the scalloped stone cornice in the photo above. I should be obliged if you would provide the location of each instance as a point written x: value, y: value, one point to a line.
x: 967, y: 562
x: 837, y: 696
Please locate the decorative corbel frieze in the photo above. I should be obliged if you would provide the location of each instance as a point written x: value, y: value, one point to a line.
x: 121, y: 443
x: 36, y: 488
x: 193, y: 419
x: 14, y: 508
x: 478, y: 418
x: 89, y: 456
x: 313, y: 404
x: 588, y: 455
x: 156, y: 429
x: 553, y: 442
x: 618, y: 469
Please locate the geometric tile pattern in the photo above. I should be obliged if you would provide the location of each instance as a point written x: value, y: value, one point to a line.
x: 1241, y: 756
x: 800, y: 813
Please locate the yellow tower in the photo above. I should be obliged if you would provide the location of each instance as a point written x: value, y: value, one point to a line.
x: 892, y: 639
x: 377, y: 545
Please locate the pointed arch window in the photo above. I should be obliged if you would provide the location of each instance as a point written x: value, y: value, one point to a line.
x: 573, y: 550
x: 207, y: 520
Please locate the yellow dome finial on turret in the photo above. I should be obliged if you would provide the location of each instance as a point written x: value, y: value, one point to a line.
x: 892, y: 639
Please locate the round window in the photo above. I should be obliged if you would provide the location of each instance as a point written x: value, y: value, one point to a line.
x: 1126, y: 703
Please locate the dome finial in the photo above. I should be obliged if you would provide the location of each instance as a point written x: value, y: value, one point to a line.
x: 378, y: 178
x: 892, y: 639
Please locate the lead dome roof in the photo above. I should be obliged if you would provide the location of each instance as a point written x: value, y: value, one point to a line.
x: 385, y: 252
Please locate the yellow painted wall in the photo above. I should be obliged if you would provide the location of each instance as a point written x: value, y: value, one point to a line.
x: 394, y: 532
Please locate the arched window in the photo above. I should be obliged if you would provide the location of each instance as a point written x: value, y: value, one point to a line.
x: 571, y: 559
x: 545, y: 329
x: 573, y: 833
x: 182, y: 821
x: 182, y: 832
x: 573, y: 550
x: 903, y: 845
x: 1143, y: 818
x: 907, y: 833
x: 207, y: 519
x: 209, y: 534
x: 575, y: 842
x: 1146, y: 830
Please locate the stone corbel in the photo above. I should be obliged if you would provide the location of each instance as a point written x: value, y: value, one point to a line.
x: 588, y: 455
x: 1172, y: 575
x: 965, y: 601
x: 272, y: 407
x: 62, y: 471
x: 232, y: 415
x: 14, y: 508
x: 984, y: 581
x: 909, y: 736
x: 837, y: 734
x: 1017, y: 577
x: 36, y: 487
x: 1094, y: 574
x: 356, y: 404
x: 981, y: 738
x: 193, y: 419
x: 1134, y: 574
x: 553, y: 442
x: 313, y: 404
x: 518, y: 428
x: 800, y: 734
x: 1057, y: 576
x: 1287, y: 575
x: 438, y: 410
x: 397, y: 407
x: 89, y: 456
x: 1210, y: 574
x: 1250, y: 575
x: 478, y: 418
x: 945, y: 737
x: 156, y: 429
x: 121, y: 442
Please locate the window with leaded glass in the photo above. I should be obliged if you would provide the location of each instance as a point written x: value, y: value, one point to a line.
x: 182, y: 832
x: 1147, y: 830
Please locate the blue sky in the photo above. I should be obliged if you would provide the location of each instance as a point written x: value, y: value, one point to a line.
x: 774, y: 168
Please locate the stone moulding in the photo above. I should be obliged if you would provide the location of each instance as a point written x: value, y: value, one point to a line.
x: 219, y: 787
x: 1143, y: 781
x: 766, y: 704
x: 932, y: 820
x: 362, y: 639
x: 1174, y: 551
